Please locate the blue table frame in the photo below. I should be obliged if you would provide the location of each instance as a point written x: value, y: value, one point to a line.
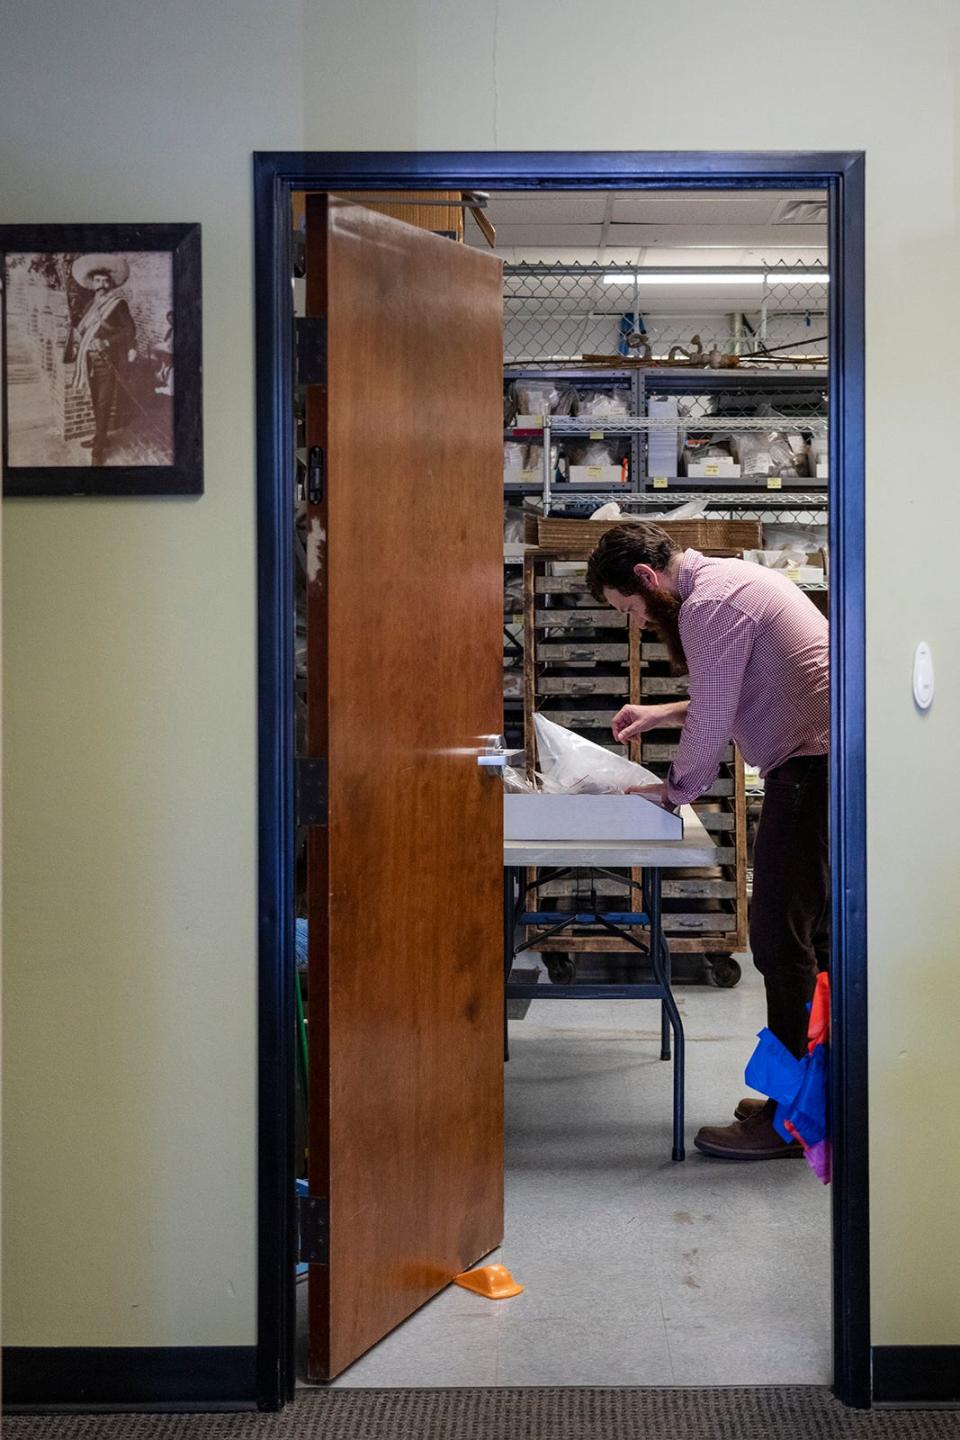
x: 653, y: 856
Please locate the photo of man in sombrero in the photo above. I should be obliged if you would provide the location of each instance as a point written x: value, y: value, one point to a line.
x: 104, y: 345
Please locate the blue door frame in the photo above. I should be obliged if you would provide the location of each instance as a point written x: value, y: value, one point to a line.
x: 841, y: 176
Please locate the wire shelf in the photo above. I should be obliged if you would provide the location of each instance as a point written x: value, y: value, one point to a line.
x: 634, y: 424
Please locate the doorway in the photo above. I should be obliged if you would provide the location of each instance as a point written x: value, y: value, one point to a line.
x: 841, y: 179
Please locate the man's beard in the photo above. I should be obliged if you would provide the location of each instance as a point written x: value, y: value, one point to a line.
x: 663, y: 616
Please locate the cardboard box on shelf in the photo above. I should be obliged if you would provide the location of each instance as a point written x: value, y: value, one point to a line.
x: 596, y: 475
x: 713, y: 470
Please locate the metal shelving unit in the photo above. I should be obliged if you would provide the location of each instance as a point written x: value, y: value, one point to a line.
x: 708, y: 913
x: 717, y: 402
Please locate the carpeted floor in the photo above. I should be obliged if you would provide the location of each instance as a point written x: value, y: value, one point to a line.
x: 759, y: 1413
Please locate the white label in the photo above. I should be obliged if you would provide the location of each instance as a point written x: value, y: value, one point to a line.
x: 596, y: 434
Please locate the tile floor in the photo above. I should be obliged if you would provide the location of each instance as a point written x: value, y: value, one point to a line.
x: 637, y: 1271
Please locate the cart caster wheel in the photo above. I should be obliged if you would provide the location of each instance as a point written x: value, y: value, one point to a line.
x: 562, y: 969
x: 723, y: 971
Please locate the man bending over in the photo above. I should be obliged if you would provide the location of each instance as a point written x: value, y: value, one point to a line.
x: 756, y: 650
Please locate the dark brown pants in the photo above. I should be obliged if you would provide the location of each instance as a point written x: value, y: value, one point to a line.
x: 790, y: 910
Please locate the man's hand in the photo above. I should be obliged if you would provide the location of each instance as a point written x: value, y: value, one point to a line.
x: 655, y: 793
x: 633, y: 720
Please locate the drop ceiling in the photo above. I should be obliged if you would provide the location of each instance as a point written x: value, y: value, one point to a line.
x: 661, y: 228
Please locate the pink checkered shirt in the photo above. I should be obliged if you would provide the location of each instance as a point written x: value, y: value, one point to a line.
x: 758, y: 654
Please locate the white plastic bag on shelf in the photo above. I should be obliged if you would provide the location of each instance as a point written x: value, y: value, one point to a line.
x: 570, y: 764
x: 786, y: 559
x: 773, y: 452
x: 691, y: 510
x: 605, y: 405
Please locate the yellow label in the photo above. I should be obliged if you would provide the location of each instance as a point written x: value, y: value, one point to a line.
x: 711, y: 469
x: 596, y: 434
x: 659, y: 482
x: 595, y: 472
x: 774, y: 482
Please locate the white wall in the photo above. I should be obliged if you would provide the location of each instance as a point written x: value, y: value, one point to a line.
x: 130, y: 628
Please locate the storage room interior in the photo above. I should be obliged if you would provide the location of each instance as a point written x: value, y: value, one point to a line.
x: 665, y: 357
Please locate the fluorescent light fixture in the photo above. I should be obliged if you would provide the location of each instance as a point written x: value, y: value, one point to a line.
x: 745, y: 277
x: 748, y: 277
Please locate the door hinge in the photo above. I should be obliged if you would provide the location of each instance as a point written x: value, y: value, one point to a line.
x: 310, y: 333
x: 315, y: 475
x: 313, y: 1229
x: 310, y: 791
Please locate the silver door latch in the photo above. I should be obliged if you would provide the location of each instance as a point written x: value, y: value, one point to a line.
x: 495, y: 755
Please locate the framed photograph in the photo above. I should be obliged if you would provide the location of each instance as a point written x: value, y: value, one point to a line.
x: 100, y: 360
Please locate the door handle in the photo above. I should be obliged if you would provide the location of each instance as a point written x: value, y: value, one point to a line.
x: 496, y: 756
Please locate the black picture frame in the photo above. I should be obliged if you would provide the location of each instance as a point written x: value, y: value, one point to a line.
x: 147, y: 410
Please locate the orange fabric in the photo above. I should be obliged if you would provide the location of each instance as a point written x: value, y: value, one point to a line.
x: 818, y: 1031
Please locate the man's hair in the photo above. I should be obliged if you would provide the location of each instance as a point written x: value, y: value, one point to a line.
x: 610, y: 567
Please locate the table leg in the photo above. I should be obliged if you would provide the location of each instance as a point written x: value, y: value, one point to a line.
x: 660, y: 959
x: 509, y: 936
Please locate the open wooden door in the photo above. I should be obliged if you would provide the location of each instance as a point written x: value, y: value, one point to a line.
x: 404, y: 654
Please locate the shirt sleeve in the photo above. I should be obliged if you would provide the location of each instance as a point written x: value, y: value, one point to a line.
x: 718, y: 643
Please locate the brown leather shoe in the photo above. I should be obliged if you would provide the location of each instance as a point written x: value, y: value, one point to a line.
x: 750, y: 1139
x: 748, y: 1106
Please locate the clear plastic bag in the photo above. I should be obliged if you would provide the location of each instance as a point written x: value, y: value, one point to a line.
x: 610, y: 511
x: 570, y: 764
x: 517, y: 782
x: 605, y: 405
x: 770, y: 453
x: 568, y: 402
x: 719, y: 447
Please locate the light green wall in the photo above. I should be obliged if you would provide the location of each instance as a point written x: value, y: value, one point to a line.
x: 130, y: 886
x: 130, y: 628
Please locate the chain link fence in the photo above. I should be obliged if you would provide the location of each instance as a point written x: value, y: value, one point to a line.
x: 561, y: 313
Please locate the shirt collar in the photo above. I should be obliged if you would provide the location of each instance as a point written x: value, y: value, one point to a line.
x: 690, y: 563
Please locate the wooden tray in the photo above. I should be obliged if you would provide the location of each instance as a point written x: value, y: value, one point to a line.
x: 580, y: 536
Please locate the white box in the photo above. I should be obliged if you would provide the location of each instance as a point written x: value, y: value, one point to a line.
x: 513, y: 475
x: 596, y: 475
x: 713, y: 470
x: 823, y: 470
x: 587, y: 817
x: 804, y: 574
x: 662, y: 444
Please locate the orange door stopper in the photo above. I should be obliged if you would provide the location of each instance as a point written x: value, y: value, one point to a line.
x: 493, y: 1281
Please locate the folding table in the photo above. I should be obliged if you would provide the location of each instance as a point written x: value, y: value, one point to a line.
x: 653, y: 856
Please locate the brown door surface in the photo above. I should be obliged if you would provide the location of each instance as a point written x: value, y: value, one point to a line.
x: 404, y: 654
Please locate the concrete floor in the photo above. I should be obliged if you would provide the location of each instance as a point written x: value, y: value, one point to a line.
x: 637, y: 1271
